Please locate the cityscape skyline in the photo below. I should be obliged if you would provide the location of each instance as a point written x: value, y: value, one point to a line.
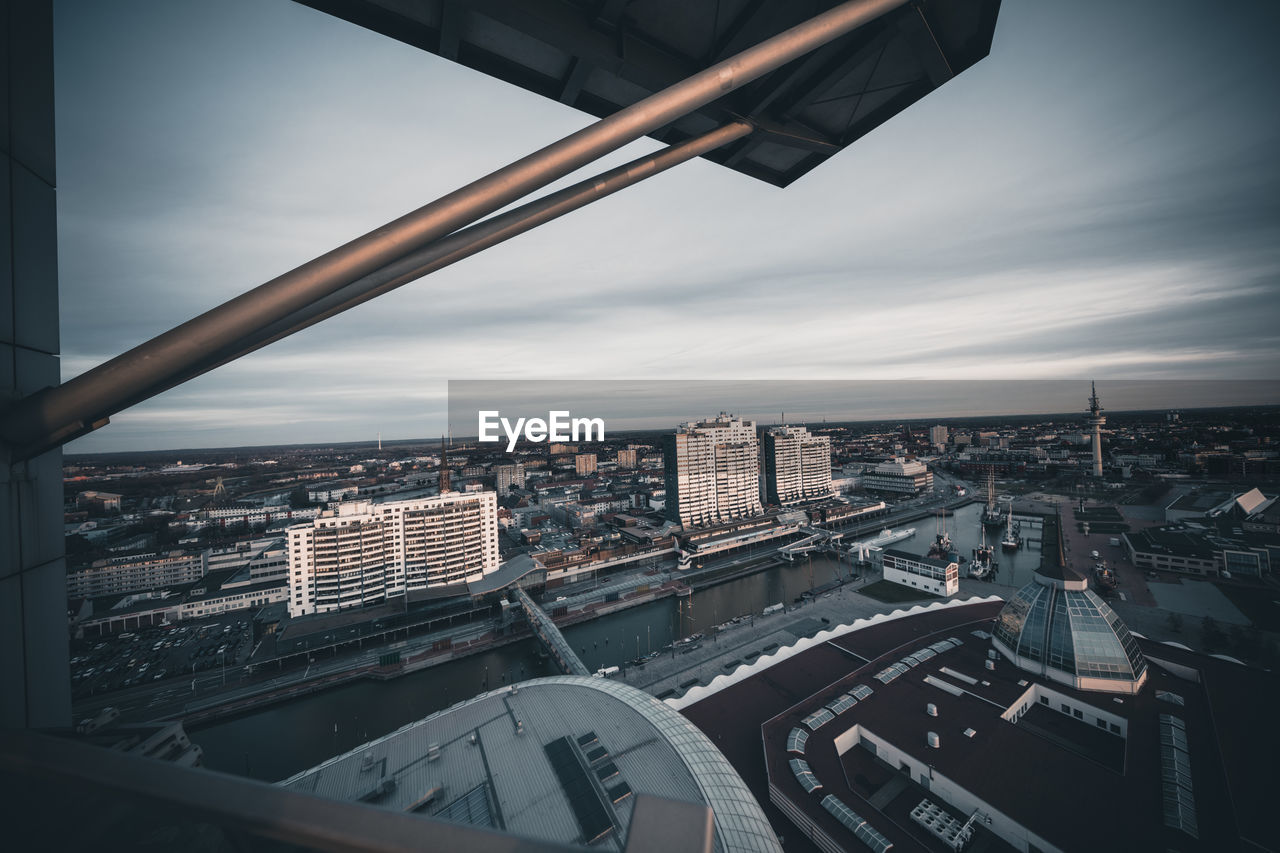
x: 1081, y: 221
x: 1255, y: 394
x: 996, y: 514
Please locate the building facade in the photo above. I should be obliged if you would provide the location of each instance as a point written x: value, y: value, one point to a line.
x: 797, y: 465
x: 712, y: 471
x: 940, y: 577
x: 1201, y: 550
x: 584, y: 464
x: 901, y: 476
x: 363, y: 552
x: 137, y: 573
x: 507, y: 476
x: 255, y: 515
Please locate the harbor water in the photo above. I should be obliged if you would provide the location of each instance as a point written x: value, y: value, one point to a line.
x: 285, y: 738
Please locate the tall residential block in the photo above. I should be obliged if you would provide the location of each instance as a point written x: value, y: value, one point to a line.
x: 712, y: 471
x: 508, y: 476
x: 584, y: 464
x: 363, y: 552
x: 797, y: 465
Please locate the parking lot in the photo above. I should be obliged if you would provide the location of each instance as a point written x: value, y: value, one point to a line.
x: 149, y: 655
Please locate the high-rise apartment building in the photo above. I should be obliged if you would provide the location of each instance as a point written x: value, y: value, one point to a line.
x: 627, y: 458
x: 362, y: 552
x: 712, y: 471
x: 508, y: 476
x: 938, y: 436
x: 797, y: 465
x: 584, y: 464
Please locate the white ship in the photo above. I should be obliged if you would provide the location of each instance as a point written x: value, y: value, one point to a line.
x: 888, y: 537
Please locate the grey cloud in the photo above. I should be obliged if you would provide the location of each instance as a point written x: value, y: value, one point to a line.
x: 1124, y: 148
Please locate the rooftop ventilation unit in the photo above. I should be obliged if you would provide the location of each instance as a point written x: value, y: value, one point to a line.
x: 991, y: 665
x: 931, y: 709
x: 366, y: 763
x: 932, y: 739
x: 433, y: 751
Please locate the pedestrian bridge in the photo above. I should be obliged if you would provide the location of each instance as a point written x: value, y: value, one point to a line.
x: 546, y: 631
x: 817, y: 539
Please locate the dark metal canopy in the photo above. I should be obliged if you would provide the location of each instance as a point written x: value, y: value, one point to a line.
x: 603, y: 55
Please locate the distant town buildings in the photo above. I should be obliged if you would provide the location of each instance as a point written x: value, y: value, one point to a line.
x: 938, y: 436
x: 104, y: 502
x: 255, y: 515
x: 329, y: 492
x: 712, y: 471
x: 136, y: 573
x: 797, y: 465
x: 362, y: 552
x: 900, y: 476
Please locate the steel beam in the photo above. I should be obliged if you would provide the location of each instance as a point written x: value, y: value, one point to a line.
x: 58, y: 414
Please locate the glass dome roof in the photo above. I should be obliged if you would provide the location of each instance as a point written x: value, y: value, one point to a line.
x: 1068, y: 633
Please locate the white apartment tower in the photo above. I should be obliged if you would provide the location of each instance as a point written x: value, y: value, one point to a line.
x: 507, y: 476
x: 712, y: 471
x: 797, y: 465
x: 362, y: 552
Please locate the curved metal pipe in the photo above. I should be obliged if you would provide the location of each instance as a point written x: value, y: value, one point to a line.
x: 57, y: 414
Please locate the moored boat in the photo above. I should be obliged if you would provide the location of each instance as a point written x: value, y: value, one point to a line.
x: 1010, y: 542
x: 991, y: 516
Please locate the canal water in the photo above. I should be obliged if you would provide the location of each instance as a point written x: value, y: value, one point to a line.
x: 284, y: 738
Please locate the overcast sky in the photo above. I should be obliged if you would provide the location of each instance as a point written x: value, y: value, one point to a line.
x: 1100, y: 197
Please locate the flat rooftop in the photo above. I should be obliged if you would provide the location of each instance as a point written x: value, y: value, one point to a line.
x: 1077, y: 786
x: 506, y: 574
x: 1173, y: 540
x: 557, y: 759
